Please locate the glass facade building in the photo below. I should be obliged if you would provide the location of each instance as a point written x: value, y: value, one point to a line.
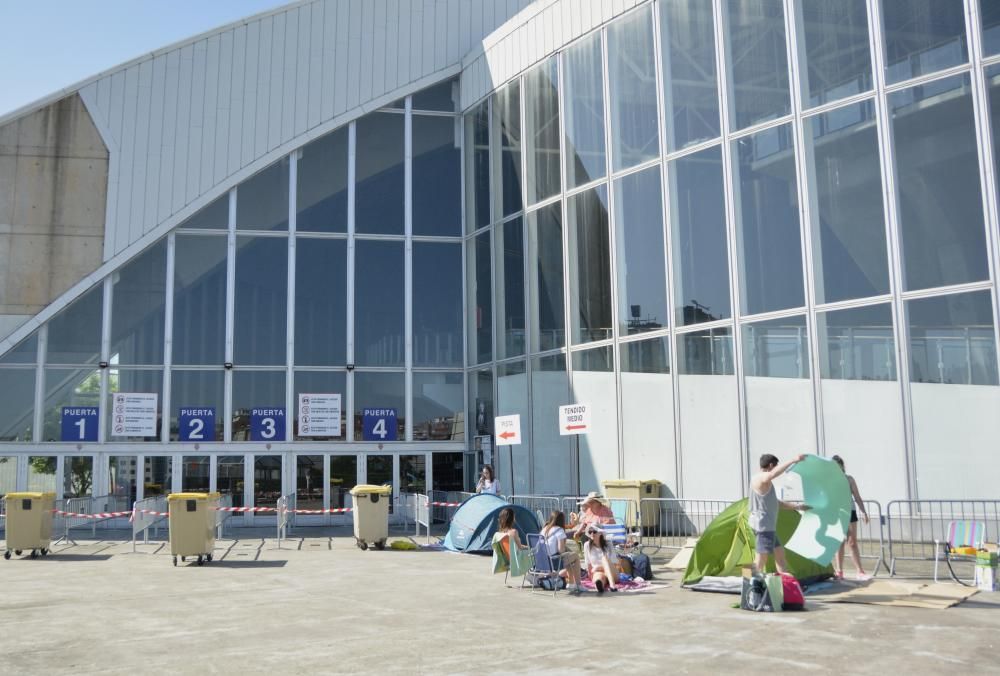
x: 730, y: 228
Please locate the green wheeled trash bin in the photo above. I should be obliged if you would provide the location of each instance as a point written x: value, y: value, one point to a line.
x: 371, y: 515
x: 29, y: 523
x: 192, y: 525
x: 636, y: 491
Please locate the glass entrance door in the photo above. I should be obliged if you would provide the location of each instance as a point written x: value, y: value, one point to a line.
x: 309, y: 489
x: 343, y: 477
x: 266, y: 485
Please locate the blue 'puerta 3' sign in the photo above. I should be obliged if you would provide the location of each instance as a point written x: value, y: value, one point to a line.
x: 379, y: 424
x: 196, y: 424
x: 79, y: 423
x: 267, y: 424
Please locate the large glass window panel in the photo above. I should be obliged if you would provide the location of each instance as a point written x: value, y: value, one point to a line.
x: 78, y: 476
x: 213, y: 217
x: 438, y: 402
x: 857, y: 343
x: 479, y: 270
x: 477, y: 167
x: 195, y: 473
x: 17, y: 404
x: 25, y: 352
x: 197, y: 390
x: 75, y: 333
x: 256, y: 389
x: 922, y: 36
x: 262, y: 199
x: 770, y: 254
x: 510, y: 288
x: 309, y: 482
x: 379, y: 471
x: 552, y: 459
x: 321, y: 382
x: 378, y: 303
x: 632, y: 76
x: 437, y: 304
x: 757, y: 61
x: 481, y: 409
x: 647, y: 406
x: 322, y: 184
x: 379, y: 170
x: 691, y: 96
x: 937, y: 178
x: 541, y: 131
x: 157, y: 475
x: 42, y: 473
x: 545, y: 278
x: 506, y: 135
x: 848, y: 220
x: 230, y: 478
x: 590, y: 265
x: 379, y: 390
x: 778, y: 348
x: 199, y: 335
x: 513, y: 463
x: 343, y: 477
x: 266, y: 480
x: 122, y: 477
x: 989, y: 14
x: 138, y: 304
x: 834, y: 53
x: 707, y: 353
x: 993, y: 85
x: 698, y: 228
x: 437, y: 179
x: 952, y: 339
x: 320, y: 302
x: 8, y: 474
x: 133, y: 381
x: 261, y: 300
x: 583, y: 89
x: 440, y: 97
x: 69, y: 387
x: 641, y: 255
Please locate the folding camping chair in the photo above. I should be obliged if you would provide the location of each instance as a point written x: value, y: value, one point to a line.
x: 960, y: 534
x: 546, y: 565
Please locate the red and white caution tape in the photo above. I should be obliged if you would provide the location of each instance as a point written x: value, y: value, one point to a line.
x: 444, y: 504
x: 101, y: 515
x: 246, y: 509
x: 154, y: 513
x: 335, y: 510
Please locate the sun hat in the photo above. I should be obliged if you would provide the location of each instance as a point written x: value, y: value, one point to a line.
x: 592, y: 495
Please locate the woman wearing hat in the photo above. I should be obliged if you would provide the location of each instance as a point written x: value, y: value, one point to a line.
x: 593, y: 512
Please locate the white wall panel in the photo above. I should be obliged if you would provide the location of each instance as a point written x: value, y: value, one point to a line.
x: 197, y: 124
x: 211, y: 115
x: 223, y: 118
x: 154, y: 161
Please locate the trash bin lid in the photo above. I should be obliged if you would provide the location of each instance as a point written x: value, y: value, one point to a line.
x: 629, y: 483
x: 368, y: 489
x: 30, y: 496
x: 174, y: 497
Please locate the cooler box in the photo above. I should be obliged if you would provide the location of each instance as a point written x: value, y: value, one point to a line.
x: 192, y: 525
x: 29, y: 523
x: 630, y: 489
x: 371, y: 515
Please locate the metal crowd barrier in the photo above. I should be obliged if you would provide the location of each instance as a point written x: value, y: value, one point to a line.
x: 281, y: 507
x: 221, y: 517
x: 913, y: 526
x: 670, y: 522
x: 148, y: 515
x: 415, y: 511
x: 539, y: 505
x: 101, y: 504
x: 871, y: 537
x: 441, y: 513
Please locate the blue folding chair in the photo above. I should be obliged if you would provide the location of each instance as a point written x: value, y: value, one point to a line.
x: 546, y: 566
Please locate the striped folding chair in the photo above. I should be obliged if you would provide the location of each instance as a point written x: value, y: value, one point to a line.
x: 960, y: 534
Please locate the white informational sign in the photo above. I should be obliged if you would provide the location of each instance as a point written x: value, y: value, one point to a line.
x: 133, y: 414
x: 574, y: 419
x: 319, y: 415
x: 508, y: 429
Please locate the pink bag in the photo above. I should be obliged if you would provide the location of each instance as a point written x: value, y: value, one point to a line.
x: 794, y: 598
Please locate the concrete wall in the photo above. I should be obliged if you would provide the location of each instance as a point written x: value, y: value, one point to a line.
x: 53, y: 186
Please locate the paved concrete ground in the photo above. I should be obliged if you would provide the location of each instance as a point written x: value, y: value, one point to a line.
x: 320, y: 605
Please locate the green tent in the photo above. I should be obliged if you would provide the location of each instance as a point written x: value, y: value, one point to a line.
x: 728, y: 543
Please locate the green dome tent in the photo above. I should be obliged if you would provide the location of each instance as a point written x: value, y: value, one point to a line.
x: 728, y: 543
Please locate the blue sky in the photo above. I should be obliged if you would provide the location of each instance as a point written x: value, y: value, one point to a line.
x: 51, y: 44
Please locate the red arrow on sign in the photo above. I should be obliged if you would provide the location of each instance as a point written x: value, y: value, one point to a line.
x: 576, y: 427
x: 506, y: 435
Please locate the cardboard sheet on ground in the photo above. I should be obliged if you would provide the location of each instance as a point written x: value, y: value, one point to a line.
x: 937, y: 595
x: 822, y: 528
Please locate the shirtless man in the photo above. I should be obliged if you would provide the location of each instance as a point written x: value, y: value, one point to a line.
x: 764, y: 506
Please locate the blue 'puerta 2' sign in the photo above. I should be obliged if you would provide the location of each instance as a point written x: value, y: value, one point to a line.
x: 79, y: 423
x: 196, y: 424
x: 267, y: 424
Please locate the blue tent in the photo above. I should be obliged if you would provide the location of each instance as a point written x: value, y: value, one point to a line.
x: 475, y: 522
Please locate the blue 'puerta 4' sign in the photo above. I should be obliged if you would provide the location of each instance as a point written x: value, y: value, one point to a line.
x: 267, y: 424
x: 380, y: 424
x: 79, y: 423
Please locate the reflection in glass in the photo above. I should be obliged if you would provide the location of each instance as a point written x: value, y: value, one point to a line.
x: 158, y: 475
x: 438, y: 400
x: 479, y: 289
x: 42, y: 473
x: 379, y: 390
x: 256, y: 389
x: 17, y: 404
x: 506, y: 135
x: 378, y: 193
x: 320, y: 302
x: 583, y: 91
x: 922, y: 37
x: 121, y: 477
x: 262, y: 200
x: 309, y: 482
x: 770, y: 255
x: 230, y: 478
x: 322, y: 184
x: 952, y: 339
x: 261, y: 299
x: 477, y: 167
x: 198, y: 390
x: 632, y: 76
x: 437, y: 180
x: 706, y: 353
x: 641, y: 256
x: 836, y: 50
x: 8, y: 474
x: 698, y: 228
x: 757, y: 61
x: 134, y: 381
x: 413, y: 473
x: 138, y: 304
x: 993, y: 84
x: 850, y: 257
x: 437, y: 304
x: 989, y: 14
x: 552, y: 460
x: 857, y: 343
x: 379, y: 471
x: 481, y: 410
x: 510, y: 288
x: 213, y: 217
x: 25, y: 352
x: 541, y: 131
x: 937, y: 176
x: 590, y: 265
x: 266, y: 480
x: 199, y: 335
x: 320, y: 382
x: 440, y: 97
x: 195, y: 473
x: 68, y: 387
x: 646, y: 356
x: 378, y: 303
x: 597, y: 359
x: 545, y: 278
x: 78, y: 476
x: 343, y: 477
x: 690, y: 97
x: 75, y: 333
x: 778, y: 348
x: 448, y: 472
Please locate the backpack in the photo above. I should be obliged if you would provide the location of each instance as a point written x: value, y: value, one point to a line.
x: 641, y: 567
x: 755, y: 595
x: 794, y: 598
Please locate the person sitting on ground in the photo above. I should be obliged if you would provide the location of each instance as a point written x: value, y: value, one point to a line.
x: 597, y: 555
x: 593, y: 512
x: 487, y: 483
x: 506, y: 527
x: 852, y: 533
x: 764, y: 505
x: 554, y: 532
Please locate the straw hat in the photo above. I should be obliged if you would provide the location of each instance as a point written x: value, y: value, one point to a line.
x: 592, y: 495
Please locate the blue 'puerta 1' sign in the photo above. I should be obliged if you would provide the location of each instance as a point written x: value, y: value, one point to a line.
x: 267, y: 424
x: 79, y: 423
x: 196, y: 424
x: 379, y: 424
